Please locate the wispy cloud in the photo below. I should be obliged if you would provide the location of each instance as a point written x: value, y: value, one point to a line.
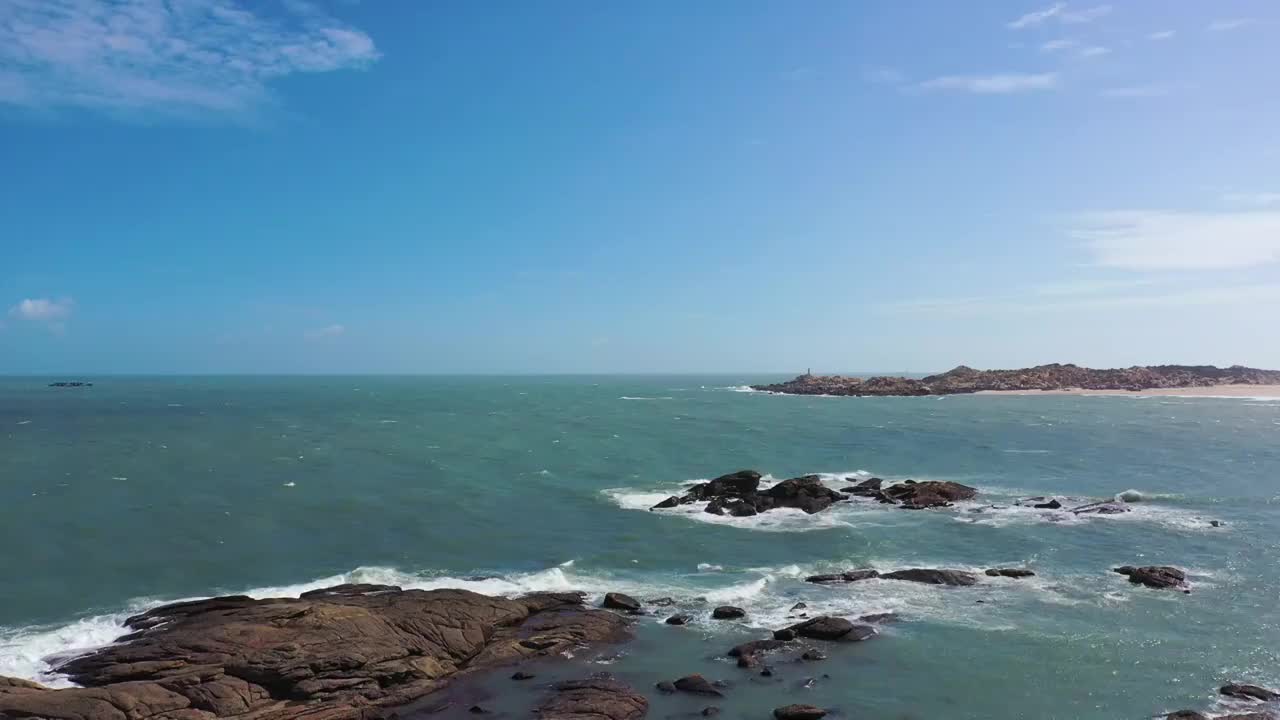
x: 153, y: 56
x: 1058, y: 45
x: 1060, y: 13
x: 1175, y: 240
x: 998, y: 84
x: 1137, y: 91
x: 52, y: 313
x: 326, y: 332
x: 1256, y: 199
x: 1229, y: 24
x: 1162, y: 35
x: 1037, y: 17
x: 1093, y: 51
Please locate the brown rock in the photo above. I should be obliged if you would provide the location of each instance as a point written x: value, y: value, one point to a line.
x: 1156, y: 576
x: 931, y: 576
x: 332, y: 652
x: 595, y: 699
x: 799, y: 712
x: 697, y: 685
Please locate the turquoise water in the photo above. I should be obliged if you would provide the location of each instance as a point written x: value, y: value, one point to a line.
x: 142, y: 490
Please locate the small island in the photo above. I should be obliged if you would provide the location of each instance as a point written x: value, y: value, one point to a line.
x: 1055, y: 377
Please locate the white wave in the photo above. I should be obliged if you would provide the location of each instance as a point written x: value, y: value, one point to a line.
x: 739, y: 388
x: 24, y: 422
x: 708, y: 567
x: 627, y: 397
x: 766, y: 593
x: 1027, y: 452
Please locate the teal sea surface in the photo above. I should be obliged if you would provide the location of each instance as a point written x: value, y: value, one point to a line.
x: 138, y: 491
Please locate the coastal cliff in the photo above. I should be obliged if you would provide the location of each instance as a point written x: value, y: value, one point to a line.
x: 1042, y: 377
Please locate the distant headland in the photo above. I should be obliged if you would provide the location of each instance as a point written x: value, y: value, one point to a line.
x: 1056, y: 377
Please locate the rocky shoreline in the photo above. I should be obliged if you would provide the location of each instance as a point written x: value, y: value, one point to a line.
x: 962, y: 380
x: 366, y: 652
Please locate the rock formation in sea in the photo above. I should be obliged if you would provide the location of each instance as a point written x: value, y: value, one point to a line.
x: 738, y: 494
x: 1042, y: 377
x: 342, y: 653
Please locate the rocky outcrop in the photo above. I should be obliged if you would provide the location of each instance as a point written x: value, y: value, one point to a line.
x: 921, y: 495
x: 619, y: 601
x: 846, y: 577
x: 1156, y: 576
x: 1042, y: 377
x: 738, y: 494
x: 697, y: 685
x: 831, y: 628
x: 593, y: 699
x: 728, y: 612
x: 1009, y: 573
x: 1249, y: 692
x: 336, y: 654
x: 931, y: 576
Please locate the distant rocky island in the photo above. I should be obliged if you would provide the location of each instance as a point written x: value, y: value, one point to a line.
x: 1042, y: 377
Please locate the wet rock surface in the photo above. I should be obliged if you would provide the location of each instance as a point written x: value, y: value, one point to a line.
x: 593, y: 699
x: 342, y: 652
x: 1155, y: 576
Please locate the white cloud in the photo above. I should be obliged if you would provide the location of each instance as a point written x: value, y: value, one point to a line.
x: 53, y: 314
x: 1257, y: 199
x: 1037, y: 17
x: 999, y: 84
x: 43, y: 310
x: 1093, y: 51
x: 1174, y: 240
x: 1137, y: 91
x: 328, y: 331
x: 1056, y: 45
x: 1162, y: 35
x: 148, y: 56
x: 1059, y: 12
x: 1229, y: 24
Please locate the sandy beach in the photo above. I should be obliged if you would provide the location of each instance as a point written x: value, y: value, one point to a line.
x: 1211, y: 391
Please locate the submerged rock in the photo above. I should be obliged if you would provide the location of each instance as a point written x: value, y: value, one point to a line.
x: 1249, y: 692
x: 799, y: 712
x: 697, y: 685
x: 325, y: 655
x: 1156, y: 576
x: 844, y: 577
x: 1009, y: 573
x: 755, y: 647
x: 1101, y: 508
x: 680, y: 619
x: 933, y: 577
x: 594, y: 699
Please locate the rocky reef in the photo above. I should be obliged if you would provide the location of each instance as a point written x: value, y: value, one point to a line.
x: 739, y: 494
x: 342, y: 653
x: 1042, y: 377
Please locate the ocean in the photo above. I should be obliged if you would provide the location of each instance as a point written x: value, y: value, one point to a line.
x: 139, y: 491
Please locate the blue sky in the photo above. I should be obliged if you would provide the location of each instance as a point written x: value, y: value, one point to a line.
x: 377, y: 186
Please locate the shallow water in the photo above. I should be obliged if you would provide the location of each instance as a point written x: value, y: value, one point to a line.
x: 143, y: 490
